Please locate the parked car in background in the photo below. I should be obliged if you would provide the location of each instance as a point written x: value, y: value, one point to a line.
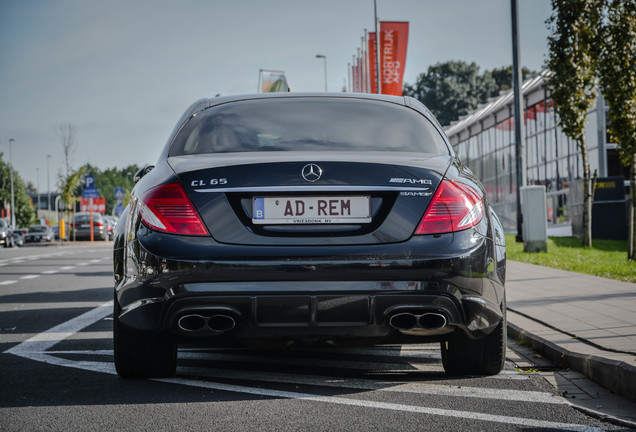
x: 81, y: 228
x: 38, y: 234
x: 18, y: 236
x: 6, y: 233
x: 110, y: 222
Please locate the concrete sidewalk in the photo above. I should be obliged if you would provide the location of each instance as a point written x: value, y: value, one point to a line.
x: 580, y: 322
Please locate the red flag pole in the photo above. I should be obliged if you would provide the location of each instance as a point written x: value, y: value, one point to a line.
x: 377, y: 48
x: 90, y: 210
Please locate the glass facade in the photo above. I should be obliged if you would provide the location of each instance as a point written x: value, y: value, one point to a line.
x: 485, y: 141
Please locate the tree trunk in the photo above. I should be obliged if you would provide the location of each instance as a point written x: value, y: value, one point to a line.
x: 587, y: 195
x: 631, y: 241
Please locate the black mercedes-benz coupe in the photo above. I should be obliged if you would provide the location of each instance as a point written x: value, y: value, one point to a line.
x: 282, y: 218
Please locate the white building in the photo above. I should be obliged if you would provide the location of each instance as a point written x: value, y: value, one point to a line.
x: 484, y: 140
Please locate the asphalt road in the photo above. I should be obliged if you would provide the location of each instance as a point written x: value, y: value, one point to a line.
x: 56, y: 372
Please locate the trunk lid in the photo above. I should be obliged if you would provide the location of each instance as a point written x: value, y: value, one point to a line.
x: 305, y: 198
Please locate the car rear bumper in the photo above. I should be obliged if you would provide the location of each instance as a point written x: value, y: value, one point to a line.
x: 306, y: 293
x: 86, y: 234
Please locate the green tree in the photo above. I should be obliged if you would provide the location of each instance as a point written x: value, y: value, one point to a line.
x: 25, y: 212
x: 574, y: 25
x: 70, y: 187
x: 452, y: 89
x: 68, y: 178
x: 617, y: 72
x: 31, y: 189
x: 503, y: 76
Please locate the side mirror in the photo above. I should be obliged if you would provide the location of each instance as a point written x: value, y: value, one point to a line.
x: 142, y: 172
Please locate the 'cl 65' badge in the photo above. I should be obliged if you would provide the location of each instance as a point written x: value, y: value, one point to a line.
x: 311, y: 172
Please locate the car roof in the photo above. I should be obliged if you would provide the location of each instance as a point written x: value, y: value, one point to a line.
x: 203, y: 104
x: 206, y: 103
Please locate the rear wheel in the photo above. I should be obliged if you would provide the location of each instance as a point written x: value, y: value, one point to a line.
x: 137, y: 357
x: 464, y: 356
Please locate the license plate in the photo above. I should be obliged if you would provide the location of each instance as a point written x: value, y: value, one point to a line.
x: 311, y: 210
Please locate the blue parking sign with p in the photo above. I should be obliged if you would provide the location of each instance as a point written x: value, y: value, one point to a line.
x: 89, y: 182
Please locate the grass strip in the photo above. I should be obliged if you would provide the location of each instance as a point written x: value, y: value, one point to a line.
x: 606, y: 258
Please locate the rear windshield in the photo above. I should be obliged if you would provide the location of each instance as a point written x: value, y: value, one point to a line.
x: 308, y: 125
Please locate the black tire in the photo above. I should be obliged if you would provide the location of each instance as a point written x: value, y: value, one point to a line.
x: 486, y: 356
x: 137, y: 357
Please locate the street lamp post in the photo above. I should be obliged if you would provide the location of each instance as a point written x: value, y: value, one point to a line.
x: 37, y: 209
x: 48, y: 187
x: 11, y: 140
x: 324, y: 57
x: 520, y: 164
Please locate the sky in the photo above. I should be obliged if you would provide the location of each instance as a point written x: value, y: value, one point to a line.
x: 122, y: 72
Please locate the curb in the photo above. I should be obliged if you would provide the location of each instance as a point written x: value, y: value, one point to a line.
x: 613, y: 375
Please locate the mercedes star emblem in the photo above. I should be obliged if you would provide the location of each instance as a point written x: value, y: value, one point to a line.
x: 311, y: 172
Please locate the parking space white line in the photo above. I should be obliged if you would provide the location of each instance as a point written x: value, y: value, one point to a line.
x: 43, y: 341
x: 353, y: 383
x: 67, y: 268
x: 18, y: 260
x: 82, y: 353
x: 29, y: 277
x: 390, y: 386
x: 8, y: 282
x: 49, y: 272
x: 465, y: 415
x: 36, y: 348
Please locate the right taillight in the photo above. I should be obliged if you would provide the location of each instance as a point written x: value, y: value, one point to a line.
x: 167, y: 208
x: 454, y: 207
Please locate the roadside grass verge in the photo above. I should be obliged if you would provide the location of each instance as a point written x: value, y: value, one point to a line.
x: 606, y: 258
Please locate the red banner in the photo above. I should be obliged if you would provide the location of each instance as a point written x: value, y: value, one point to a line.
x: 356, y: 77
x: 372, y: 51
x: 394, y: 37
x: 360, y: 75
x: 99, y: 205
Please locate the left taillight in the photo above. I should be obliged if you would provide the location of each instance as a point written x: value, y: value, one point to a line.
x: 167, y: 208
x: 454, y: 207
